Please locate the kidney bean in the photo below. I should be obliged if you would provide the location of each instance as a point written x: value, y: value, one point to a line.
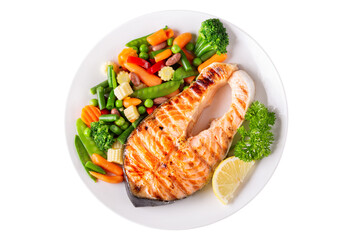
x: 115, y: 111
x: 134, y: 79
x: 159, y: 46
x: 173, y: 59
x: 159, y: 100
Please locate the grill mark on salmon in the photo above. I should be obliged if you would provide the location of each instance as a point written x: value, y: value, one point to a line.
x: 161, y: 161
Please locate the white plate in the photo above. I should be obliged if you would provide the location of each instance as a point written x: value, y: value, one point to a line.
x: 203, y: 207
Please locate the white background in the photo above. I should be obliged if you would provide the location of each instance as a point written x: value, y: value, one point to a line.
x: 42, y: 45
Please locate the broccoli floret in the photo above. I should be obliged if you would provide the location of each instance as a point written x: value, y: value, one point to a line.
x: 212, y: 36
x: 103, y: 138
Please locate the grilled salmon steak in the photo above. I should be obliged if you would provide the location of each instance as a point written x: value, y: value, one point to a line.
x: 162, y: 161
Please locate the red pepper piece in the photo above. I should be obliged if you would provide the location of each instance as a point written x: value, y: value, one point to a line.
x: 105, y: 111
x: 152, y: 61
x: 156, y: 67
x: 151, y: 109
x: 139, y: 61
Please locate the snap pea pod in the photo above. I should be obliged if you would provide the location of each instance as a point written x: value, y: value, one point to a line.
x: 87, y: 141
x: 83, y: 155
x: 207, y: 55
x: 103, y: 84
x: 153, y: 54
x: 158, y: 90
x: 185, y: 62
x: 137, y: 122
x: 180, y: 73
x: 108, y: 117
x: 142, y: 40
x: 111, y: 100
x: 100, y: 96
x: 123, y: 137
x: 90, y: 165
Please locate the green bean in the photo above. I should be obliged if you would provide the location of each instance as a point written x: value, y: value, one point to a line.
x: 103, y: 84
x: 142, y: 40
x: 180, y: 73
x: 111, y: 100
x: 83, y: 155
x: 157, y: 91
x: 125, y: 125
x: 107, y: 90
x: 109, y: 70
x: 115, y: 129
x: 123, y: 137
x: 90, y: 165
x: 88, y: 142
x: 101, y: 99
x: 111, y: 77
x: 207, y: 55
x: 137, y: 121
x: 185, y: 62
x: 108, y: 117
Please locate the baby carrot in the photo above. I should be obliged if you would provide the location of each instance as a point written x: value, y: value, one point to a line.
x: 108, y: 179
x: 157, y: 37
x: 102, y: 162
x: 214, y: 58
x: 163, y: 55
x: 182, y: 39
x: 147, y: 78
x: 127, y: 102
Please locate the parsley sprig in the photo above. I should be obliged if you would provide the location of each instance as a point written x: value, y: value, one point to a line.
x: 255, y: 142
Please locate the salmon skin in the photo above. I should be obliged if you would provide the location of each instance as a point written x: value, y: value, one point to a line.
x: 162, y: 161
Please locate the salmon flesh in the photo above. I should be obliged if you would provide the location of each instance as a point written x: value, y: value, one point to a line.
x: 162, y: 161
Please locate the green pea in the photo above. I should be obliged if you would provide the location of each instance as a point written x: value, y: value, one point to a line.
x: 148, y: 103
x: 125, y: 126
x: 144, y: 48
x: 119, y: 103
x: 175, y: 48
x: 87, y: 132
x: 190, y: 46
x: 170, y: 41
x: 197, y: 61
x: 93, y: 102
x: 141, y: 110
x: 144, y: 55
x: 186, y: 87
x: 120, y: 122
x: 135, y: 48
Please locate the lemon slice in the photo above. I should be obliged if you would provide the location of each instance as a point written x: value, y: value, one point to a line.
x: 228, y: 176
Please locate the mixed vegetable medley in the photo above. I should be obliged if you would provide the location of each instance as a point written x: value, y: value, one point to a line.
x: 149, y: 71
